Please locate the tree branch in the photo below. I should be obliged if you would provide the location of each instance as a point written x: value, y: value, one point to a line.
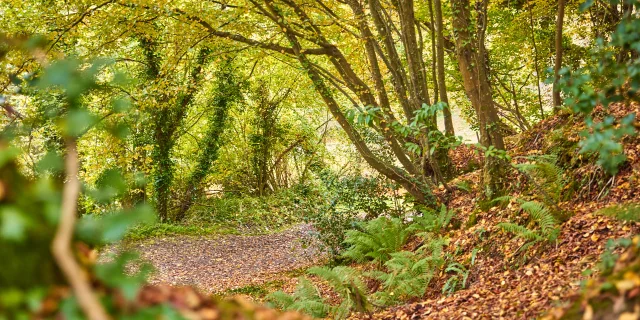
x: 61, y: 246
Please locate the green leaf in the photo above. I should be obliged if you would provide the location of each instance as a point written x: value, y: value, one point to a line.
x: 78, y: 121
x: 114, y: 274
x: 586, y: 5
x: 14, y: 223
x: 112, y: 227
x: 8, y: 154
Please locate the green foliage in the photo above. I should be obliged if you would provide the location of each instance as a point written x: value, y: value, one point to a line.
x: 251, y: 290
x: 347, y: 283
x: 458, y: 280
x: 376, y: 240
x: 547, y: 177
x: 608, y: 258
x: 355, y: 194
x: 464, y: 186
x: 612, y: 77
x: 432, y: 222
x: 253, y: 213
x: 30, y: 211
x: 348, y: 199
x: 306, y: 298
x: 408, y: 275
x: 540, y: 215
x: 624, y: 212
x: 343, y: 280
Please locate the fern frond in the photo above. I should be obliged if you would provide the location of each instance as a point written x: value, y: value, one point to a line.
x: 346, y: 282
x: 541, y: 215
x: 520, y: 231
x: 545, y: 171
x: 280, y: 300
x: 503, y: 199
x: 306, y: 299
x: 376, y: 240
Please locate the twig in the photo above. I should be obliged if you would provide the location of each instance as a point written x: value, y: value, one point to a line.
x: 61, y: 246
x: 611, y: 181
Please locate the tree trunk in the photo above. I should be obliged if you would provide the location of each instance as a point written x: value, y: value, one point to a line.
x: 471, y: 54
x: 535, y: 58
x: 227, y: 93
x: 448, y: 121
x: 557, y: 100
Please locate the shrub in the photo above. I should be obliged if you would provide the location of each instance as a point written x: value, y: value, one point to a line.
x: 305, y: 299
x: 540, y: 215
x: 376, y: 240
x: 343, y: 280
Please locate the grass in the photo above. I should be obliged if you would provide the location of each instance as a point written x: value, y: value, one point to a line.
x: 259, y: 291
x: 234, y: 215
x: 170, y: 229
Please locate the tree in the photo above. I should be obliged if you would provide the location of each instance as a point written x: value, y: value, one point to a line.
x: 227, y: 92
x: 167, y: 120
x: 472, y: 61
x: 442, y: 86
x: 557, y: 100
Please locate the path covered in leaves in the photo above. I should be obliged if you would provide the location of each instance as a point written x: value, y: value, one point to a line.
x: 230, y: 261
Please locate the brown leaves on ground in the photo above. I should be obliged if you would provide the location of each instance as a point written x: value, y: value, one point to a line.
x: 194, y: 305
x: 505, y: 283
x: 217, y: 264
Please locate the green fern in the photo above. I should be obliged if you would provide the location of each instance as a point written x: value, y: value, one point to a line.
x: 547, y: 175
x: 306, y: 299
x: 347, y: 284
x: 431, y: 222
x: 543, y: 217
x: 503, y: 199
x: 539, y: 214
x: 520, y: 231
x: 458, y: 280
x: 408, y: 274
x: 407, y: 277
x: 376, y: 239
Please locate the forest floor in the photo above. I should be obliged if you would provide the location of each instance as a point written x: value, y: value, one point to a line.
x: 504, y: 282
x: 215, y: 264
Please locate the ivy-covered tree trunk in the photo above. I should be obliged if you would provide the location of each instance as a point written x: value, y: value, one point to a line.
x: 442, y: 90
x: 557, y: 100
x: 262, y: 140
x: 471, y: 52
x: 227, y: 92
x: 166, y: 121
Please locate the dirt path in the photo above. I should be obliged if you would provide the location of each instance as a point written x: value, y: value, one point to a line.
x: 228, y: 262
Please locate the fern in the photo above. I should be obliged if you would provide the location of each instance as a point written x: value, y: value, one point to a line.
x: 456, y: 281
x: 305, y: 299
x: 539, y: 214
x: 409, y: 273
x: 433, y: 249
x: 431, y: 222
x: 542, y: 216
x: 376, y: 240
x: 503, y: 199
x: 347, y: 284
x: 407, y: 277
x: 547, y: 175
x: 520, y: 231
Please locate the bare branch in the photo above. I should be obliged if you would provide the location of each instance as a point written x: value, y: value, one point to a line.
x: 61, y: 246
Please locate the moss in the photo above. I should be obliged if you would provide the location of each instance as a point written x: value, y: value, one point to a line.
x: 473, y: 219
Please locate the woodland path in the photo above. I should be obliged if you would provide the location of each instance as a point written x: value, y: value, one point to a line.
x: 215, y: 264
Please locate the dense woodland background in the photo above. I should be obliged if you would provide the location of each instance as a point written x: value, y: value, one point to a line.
x: 441, y: 159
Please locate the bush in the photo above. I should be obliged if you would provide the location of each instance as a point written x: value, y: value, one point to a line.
x: 267, y: 213
x: 376, y: 240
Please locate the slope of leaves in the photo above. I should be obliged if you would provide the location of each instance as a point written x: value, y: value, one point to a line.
x: 506, y: 282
